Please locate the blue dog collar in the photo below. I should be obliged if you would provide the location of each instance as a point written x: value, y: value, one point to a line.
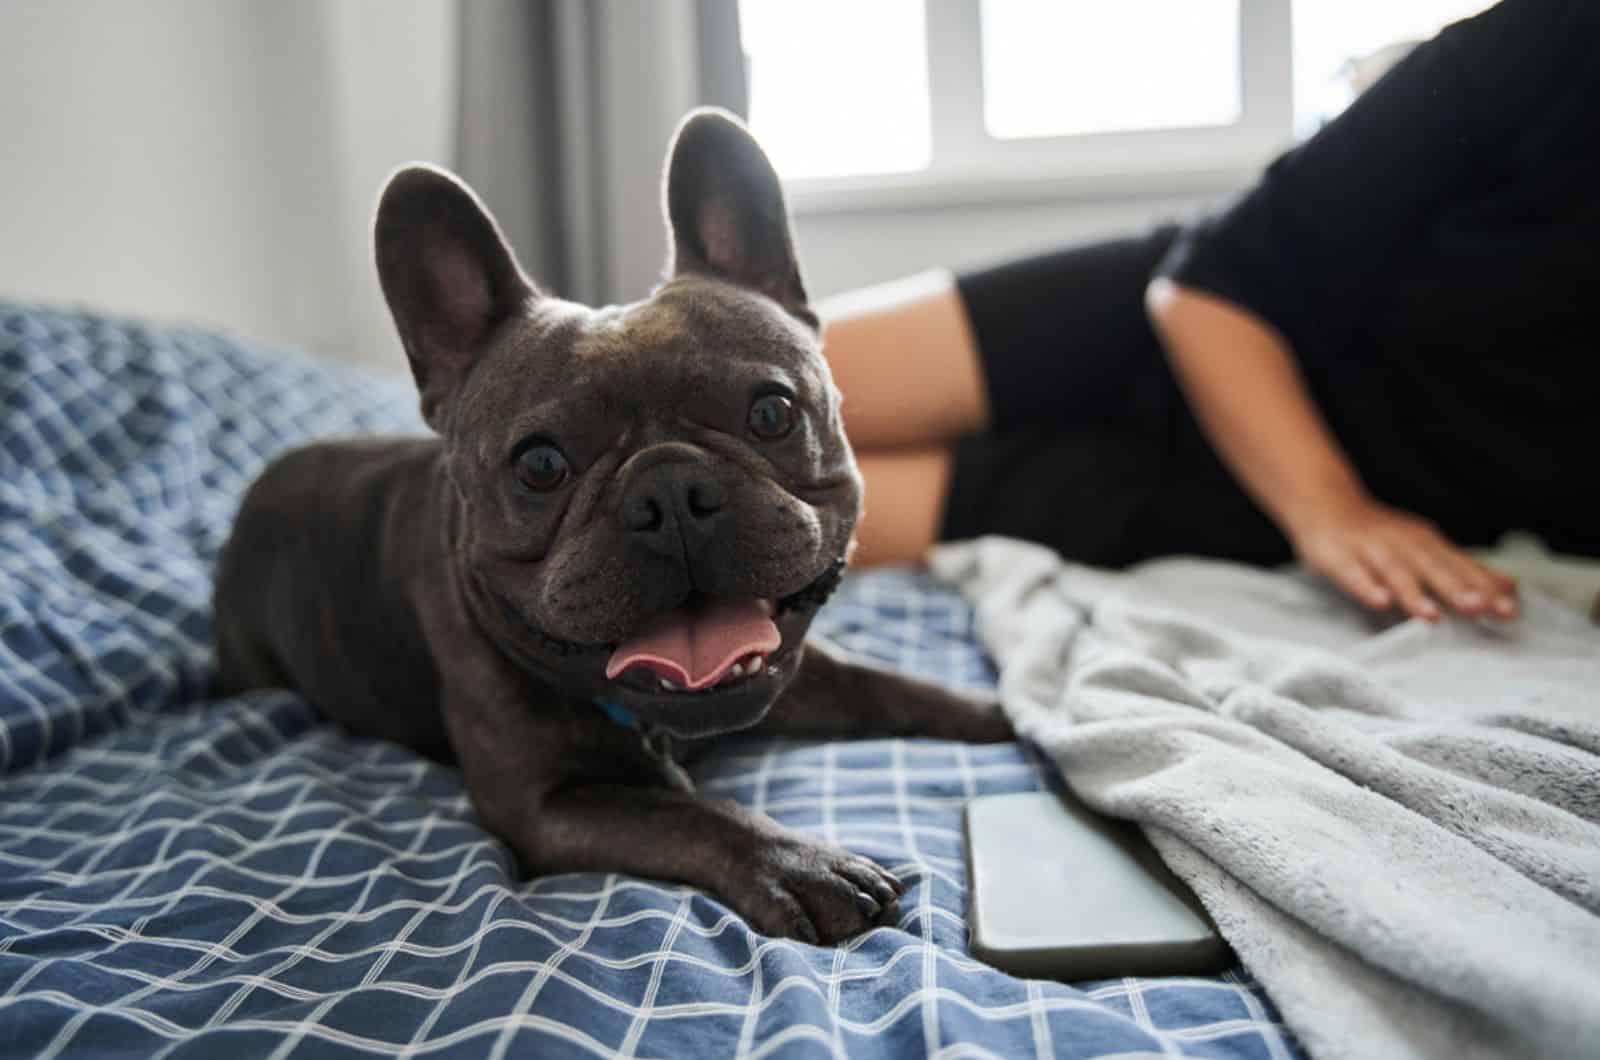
x: 619, y: 714
x: 657, y: 744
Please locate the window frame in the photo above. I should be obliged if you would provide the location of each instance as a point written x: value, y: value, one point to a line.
x: 967, y: 164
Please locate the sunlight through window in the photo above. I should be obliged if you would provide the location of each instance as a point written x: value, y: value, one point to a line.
x: 838, y: 87
x: 1074, y: 67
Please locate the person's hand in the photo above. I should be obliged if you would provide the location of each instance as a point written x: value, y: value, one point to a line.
x: 1388, y: 558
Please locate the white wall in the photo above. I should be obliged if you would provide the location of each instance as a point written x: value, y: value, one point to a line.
x: 216, y: 160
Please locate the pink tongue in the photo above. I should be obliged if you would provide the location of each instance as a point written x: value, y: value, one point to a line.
x: 695, y: 648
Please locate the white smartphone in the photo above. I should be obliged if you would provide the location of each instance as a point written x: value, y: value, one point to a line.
x: 1058, y: 891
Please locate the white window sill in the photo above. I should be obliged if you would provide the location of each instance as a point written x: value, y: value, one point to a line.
x: 932, y: 191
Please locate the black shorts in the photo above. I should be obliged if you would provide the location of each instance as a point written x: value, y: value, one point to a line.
x: 1092, y: 449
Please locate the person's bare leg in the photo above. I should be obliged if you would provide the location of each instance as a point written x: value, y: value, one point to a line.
x: 904, y: 356
x: 905, y: 504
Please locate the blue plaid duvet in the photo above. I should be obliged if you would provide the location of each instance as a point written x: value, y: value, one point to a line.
x: 184, y: 876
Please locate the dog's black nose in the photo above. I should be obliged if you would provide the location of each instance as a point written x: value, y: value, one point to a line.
x: 674, y: 507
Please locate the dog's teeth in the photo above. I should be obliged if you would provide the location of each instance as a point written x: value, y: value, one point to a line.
x: 670, y: 686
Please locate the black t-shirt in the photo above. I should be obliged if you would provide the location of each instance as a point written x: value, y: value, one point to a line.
x: 1432, y: 256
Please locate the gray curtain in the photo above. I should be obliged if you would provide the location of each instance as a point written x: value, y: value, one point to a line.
x: 565, y: 111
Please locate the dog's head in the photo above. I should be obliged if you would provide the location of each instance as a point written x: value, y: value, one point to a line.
x: 654, y: 498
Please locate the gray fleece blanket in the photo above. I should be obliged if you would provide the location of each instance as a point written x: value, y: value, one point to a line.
x: 1396, y: 825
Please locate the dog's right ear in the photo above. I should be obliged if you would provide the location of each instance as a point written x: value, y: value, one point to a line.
x: 448, y: 275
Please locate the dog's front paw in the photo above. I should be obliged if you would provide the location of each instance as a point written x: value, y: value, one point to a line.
x: 800, y: 889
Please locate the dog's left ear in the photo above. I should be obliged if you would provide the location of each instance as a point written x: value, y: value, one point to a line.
x: 448, y: 275
x: 726, y: 213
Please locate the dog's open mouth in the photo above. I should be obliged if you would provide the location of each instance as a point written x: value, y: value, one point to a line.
x: 705, y: 645
x: 711, y: 644
x: 708, y: 644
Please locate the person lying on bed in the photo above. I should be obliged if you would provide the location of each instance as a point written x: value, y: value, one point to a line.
x: 1389, y: 340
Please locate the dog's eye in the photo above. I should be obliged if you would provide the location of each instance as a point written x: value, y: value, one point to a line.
x: 771, y: 417
x: 541, y: 467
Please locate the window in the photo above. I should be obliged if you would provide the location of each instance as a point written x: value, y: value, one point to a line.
x: 828, y: 103
x: 1068, y: 69
x: 901, y: 100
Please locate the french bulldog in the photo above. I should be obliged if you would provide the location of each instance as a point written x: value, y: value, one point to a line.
x: 618, y: 538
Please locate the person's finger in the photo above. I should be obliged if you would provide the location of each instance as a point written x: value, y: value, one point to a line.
x: 1345, y: 570
x: 1506, y: 582
x: 1457, y: 587
x: 1499, y: 591
x: 1496, y: 589
x: 1403, y: 582
x: 1505, y: 603
x: 1473, y: 573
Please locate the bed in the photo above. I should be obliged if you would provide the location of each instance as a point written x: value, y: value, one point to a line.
x: 182, y: 875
